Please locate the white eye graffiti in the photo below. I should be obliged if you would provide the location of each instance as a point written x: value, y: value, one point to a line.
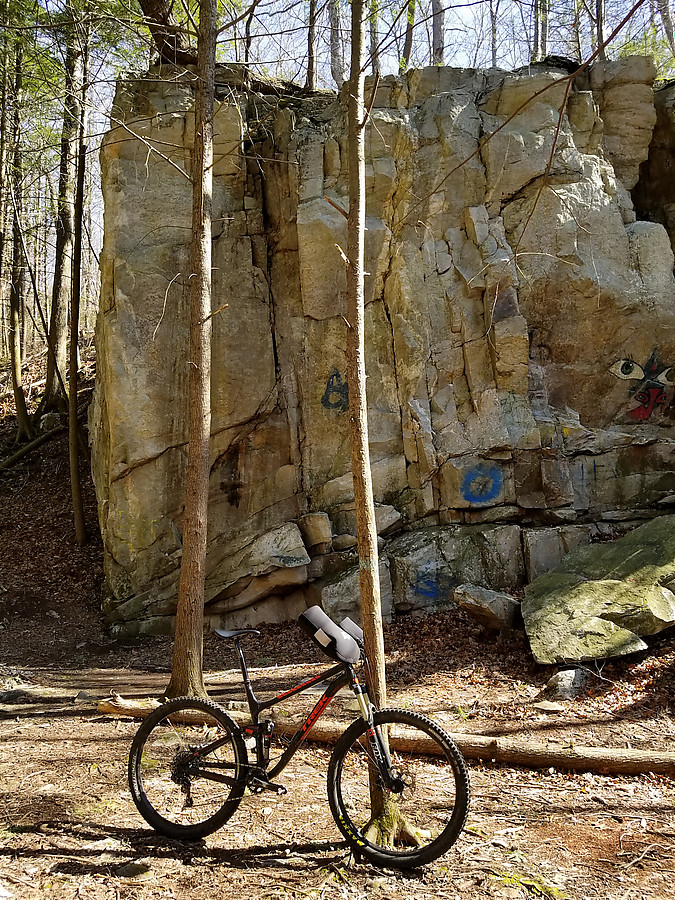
x: 628, y: 370
x: 666, y: 377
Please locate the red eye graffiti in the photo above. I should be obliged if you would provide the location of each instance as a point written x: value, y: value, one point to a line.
x: 650, y: 391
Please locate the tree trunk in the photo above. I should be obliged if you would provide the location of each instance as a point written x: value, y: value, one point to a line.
x: 186, y: 674
x: 543, y: 35
x: 356, y: 366
x: 599, y: 27
x: 408, y: 42
x: 666, y: 18
x: 65, y: 220
x: 337, y: 60
x: 22, y: 420
x: 4, y: 198
x: 494, y: 8
x: 438, y: 32
x: 170, y: 40
x: 535, y: 30
x: 73, y: 425
x: 310, y: 83
x: 373, y: 19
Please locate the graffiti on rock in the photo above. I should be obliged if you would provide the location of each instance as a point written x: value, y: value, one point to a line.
x: 336, y: 395
x: 482, y: 484
x: 652, y: 382
x: 434, y: 583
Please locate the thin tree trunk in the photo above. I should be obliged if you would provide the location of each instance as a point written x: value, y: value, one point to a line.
x: 310, y: 82
x: 337, y: 59
x: 544, y: 27
x: 664, y: 9
x: 65, y: 219
x: 186, y: 674
x: 438, y: 32
x: 4, y: 198
x: 22, y: 419
x: 494, y: 8
x: 599, y: 27
x: 535, y: 25
x: 408, y: 42
x: 373, y: 20
x: 170, y: 40
x: 577, y: 30
x: 73, y: 426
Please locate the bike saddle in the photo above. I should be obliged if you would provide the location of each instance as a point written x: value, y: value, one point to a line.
x: 223, y: 632
x: 333, y: 640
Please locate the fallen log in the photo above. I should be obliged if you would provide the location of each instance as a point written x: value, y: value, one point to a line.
x: 484, y: 748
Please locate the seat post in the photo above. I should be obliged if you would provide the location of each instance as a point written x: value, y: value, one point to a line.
x: 248, y: 687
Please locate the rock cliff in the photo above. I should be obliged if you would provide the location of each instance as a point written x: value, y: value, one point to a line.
x: 520, y: 337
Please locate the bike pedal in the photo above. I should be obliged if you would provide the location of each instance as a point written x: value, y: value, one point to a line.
x: 258, y: 785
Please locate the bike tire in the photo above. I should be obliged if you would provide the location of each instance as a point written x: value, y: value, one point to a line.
x: 175, y: 755
x: 432, y: 801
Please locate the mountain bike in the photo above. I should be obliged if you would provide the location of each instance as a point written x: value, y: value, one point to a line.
x: 398, y: 787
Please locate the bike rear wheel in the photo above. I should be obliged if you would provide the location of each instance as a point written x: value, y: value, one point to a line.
x: 186, y: 768
x: 421, y: 815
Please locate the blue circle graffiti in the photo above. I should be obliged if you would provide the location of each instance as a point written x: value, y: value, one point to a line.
x: 482, y: 484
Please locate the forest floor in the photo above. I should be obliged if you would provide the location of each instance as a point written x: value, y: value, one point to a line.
x: 68, y: 826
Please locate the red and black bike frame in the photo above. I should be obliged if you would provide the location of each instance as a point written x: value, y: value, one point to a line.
x: 340, y: 676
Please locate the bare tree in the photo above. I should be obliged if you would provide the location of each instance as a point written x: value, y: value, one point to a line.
x: 337, y: 59
x: 667, y: 19
x: 438, y: 32
x: 73, y: 427
x: 18, y: 262
x: 310, y: 82
x: 404, y: 62
x: 186, y: 674
x: 65, y: 218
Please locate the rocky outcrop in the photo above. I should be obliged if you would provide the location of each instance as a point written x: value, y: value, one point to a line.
x: 603, y: 599
x: 521, y: 336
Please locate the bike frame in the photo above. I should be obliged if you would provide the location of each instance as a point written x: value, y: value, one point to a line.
x: 341, y: 675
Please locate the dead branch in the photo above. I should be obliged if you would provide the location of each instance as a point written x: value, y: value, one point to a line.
x: 47, y: 436
x: 486, y: 749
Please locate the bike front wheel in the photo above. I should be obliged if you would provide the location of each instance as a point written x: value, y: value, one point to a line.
x: 186, y: 768
x: 415, y: 813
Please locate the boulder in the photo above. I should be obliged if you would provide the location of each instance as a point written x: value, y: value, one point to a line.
x: 604, y: 598
x: 493, y: 609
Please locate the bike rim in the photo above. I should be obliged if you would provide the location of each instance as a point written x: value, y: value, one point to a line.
x: 413, y: 820
x: 174, y: 768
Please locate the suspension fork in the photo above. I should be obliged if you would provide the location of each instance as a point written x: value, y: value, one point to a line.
x: 377, y: 741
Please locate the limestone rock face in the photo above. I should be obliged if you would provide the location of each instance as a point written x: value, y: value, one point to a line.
x: 602, y: 599
x: 520, y: 333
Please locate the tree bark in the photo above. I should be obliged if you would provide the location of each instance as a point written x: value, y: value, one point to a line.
x: 65, y: 220
x: 373, y: 19
x: 366, y: 530
x: 408, y: 41
x: 667, y: 19
x: 494, y: 8
x: 438, y: 32
x: 4, y: 199
x: 24, y: 430
x: 310, y: 82
x: 186, y: 674
x: 337, y: 60
x: 170, y: 39
x: 599, y: 28
x: 73, y: 424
